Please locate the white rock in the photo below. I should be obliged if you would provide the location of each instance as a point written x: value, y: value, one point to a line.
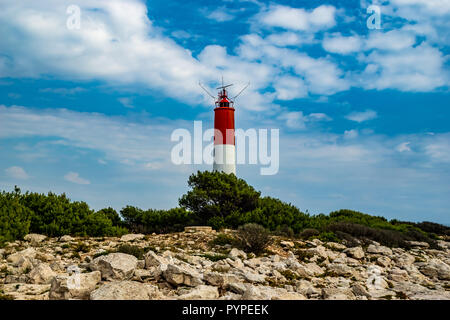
x: 77, y: 286
x: 153, y: 260
x: 16, y: 257
x: 220, y: 279
x: 132, y: 237
x: 66, y: 238
x: 115, y: 266
x: 126, y: 290
x: 435, y: 268
x: 355, y: 252
x: 42, y: 274
x: 340, y: 269
x: 34, y: 238
x: 201, y: 292
x: 182, y: 275
x: 236, y: 253
x: 378, y: 249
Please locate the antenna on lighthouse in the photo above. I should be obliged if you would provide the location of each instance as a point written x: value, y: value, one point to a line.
x: 241, y: 91
x: 207, y: 92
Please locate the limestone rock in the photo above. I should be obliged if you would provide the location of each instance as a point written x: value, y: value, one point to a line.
x: 236, y: 253
x: 337, y: 294
x: 42, y: 274
x: 132, y: 237
x: 182, y: 275
x: 77, y: 286
x: 340, y: 269
x: 16, y: 257
x: 126, y: 290
x: 201, y: 292
x: 355, y: 252
x: 34, y: 238
x: 153, y: 260
x: 378, y: 249
x: 269, y: 293
x: 66, y: 238
x: 436, y: 269
x: 220, y: 279
x: 115, y: 266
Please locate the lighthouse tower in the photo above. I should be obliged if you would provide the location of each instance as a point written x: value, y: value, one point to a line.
x: 224, y: 142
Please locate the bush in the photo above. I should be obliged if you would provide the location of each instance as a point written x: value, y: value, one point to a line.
x: 386, y: 237
x: 158, y: 221
x: 284, y: 231
x: 309, y: 233
x: 222, y: 239
x: 217, y: 194
x: 136, y: 251
x: 328, y: 237
x: 14, y: 217
x: 253, y: 238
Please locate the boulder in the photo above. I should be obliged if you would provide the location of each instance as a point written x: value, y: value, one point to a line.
x: 77, y: 286
x: 237, y: 254
x: 66, y: 238
x: 34, y: 238
x: 132, y: 237
x: 153, y: 260
x: 201, y: 292
x: 355, y: 252
x: 269, y: 293
x: 435, y: 268
x: 359, y: 290
x: 126, y: 290
x: 16, y: 257
x: 378, y: 249
x: 337, y: 294
x: 26, y: 291
x: 115, y: 266
x: 182, y: 275
x: 219, y: 279
x: 340, y: 269
x: 42, y: 274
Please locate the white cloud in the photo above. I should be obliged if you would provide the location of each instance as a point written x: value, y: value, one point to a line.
x: 74, y: 177
x: 393, y: 40
x: 362, y: 116
x: 63, y: 91
x: 17, y: 173
x: 418, y: 68
x: 221, y: 14
x: 299, y: 19
x: 337, y: 43
x: 127, y: 102
x: 288, y: 88
x: 404, y: 147
x: 351, y: 134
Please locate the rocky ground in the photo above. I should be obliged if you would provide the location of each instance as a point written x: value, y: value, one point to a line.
x: 187, y: 265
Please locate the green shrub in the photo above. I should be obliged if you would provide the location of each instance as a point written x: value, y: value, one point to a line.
x: 328, y: 237
x: 222, y: 239
x: 81, y: 247
x: 217, y: 194
x: 14, y: 217
x: 252, y: 237
x: 309, y: 233
x: 158, y: 221
x: 284, y: 231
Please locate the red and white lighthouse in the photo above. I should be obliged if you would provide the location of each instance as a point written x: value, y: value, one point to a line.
x: 224, y: 141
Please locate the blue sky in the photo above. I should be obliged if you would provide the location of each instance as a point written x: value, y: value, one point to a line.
x: 363, y: 113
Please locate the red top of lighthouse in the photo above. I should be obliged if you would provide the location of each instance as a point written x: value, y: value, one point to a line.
x: 223, y: 101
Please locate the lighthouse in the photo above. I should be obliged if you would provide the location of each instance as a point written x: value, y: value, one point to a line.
x: 224, y: 141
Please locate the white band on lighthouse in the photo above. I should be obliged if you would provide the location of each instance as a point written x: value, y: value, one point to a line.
x: 225, y: 158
